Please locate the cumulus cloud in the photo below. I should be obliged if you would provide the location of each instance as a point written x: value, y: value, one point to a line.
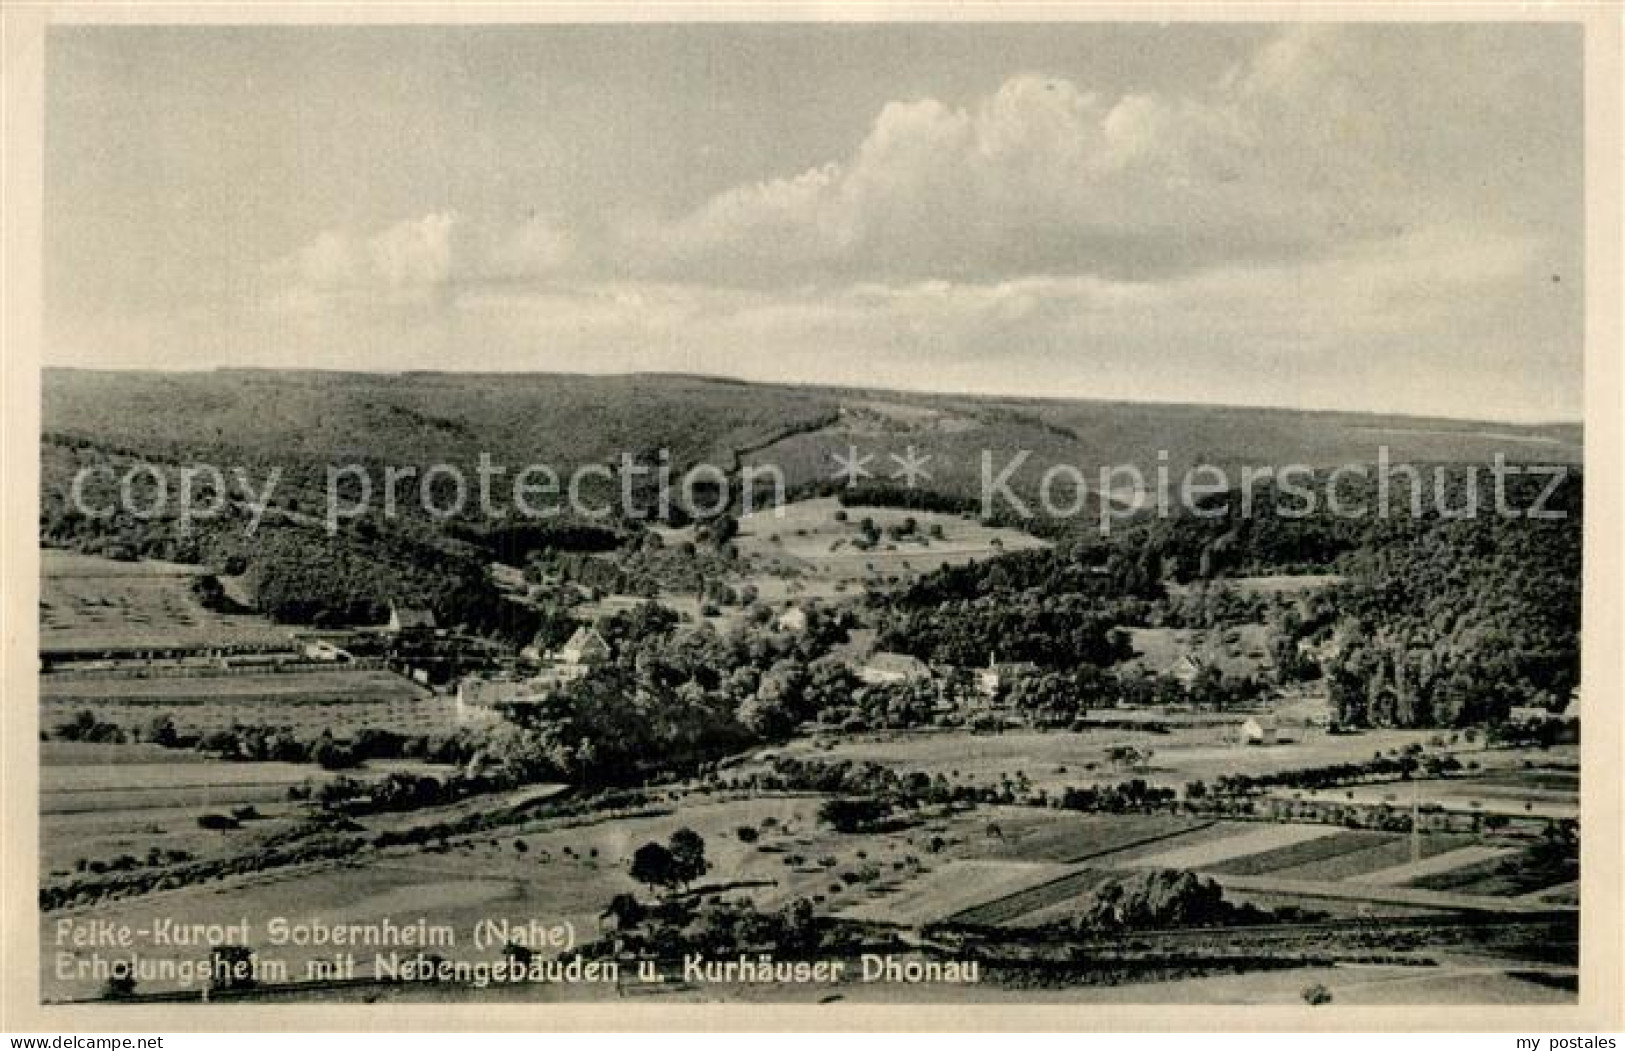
x: 419, y: 260
x: 1298, y: 151
x: 1326, y: 136
x: 1336, y: 201
x: 1041, y: 176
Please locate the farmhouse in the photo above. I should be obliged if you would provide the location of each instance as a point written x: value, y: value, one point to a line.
x: 883, y: 668
x: 585, y: 649
x: 1259, y: 729
x: 409, y: 619
x: 479, y: 695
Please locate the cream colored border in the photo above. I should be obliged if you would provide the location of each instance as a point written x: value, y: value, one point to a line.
x: 21, y: 60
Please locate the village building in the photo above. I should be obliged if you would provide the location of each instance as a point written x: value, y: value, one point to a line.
x: 478, y: 696
x: 1259, y: 730
x: 1529, y: 715
x: 885, y: 668
x: 586, y: 648
x: 409, y: 619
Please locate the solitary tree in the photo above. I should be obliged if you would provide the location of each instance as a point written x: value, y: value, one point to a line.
x: 653, y: 865
x: 687, y: 848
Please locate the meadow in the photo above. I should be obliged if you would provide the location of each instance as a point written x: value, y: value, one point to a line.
x: 1057, y: 759
x: 87, y: 601
x: 341, y: 700
x: 807, y: 540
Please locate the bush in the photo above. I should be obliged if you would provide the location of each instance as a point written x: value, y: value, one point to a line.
x: 1315, y: 995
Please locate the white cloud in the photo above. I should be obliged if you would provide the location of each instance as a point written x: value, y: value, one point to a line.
x: 1309, y: 229
x: 414, y: 254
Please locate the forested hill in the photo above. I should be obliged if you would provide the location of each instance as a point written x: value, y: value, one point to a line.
x: 304, y: 417
x: 301, y: 422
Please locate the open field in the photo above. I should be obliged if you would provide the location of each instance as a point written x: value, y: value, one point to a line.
x: 1243, y: 843
x: 1346, y: 855
x: 1079, y: 837
x: 1511, y: 792
x: 1320, y: 867
x: 1058, y: 759
x: 87, y: 602
x: 805, y: 538
x: 341, y: 700
x: 63, y: 787
x: 1295, y: 856
x: 100, y: 801
x: 326, y: 684
x: 953, y: 888
x: 1410, y: 872
x: 1037, y: 900
x: 800, y: 553
x: 986, y: 865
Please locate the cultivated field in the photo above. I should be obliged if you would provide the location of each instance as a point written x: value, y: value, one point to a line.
x: 100, y: 801
x: 1011, y: 866
x: 1241, y: 844
x: 340, y: 700
x: 87, y: 601
x: 954, y: 888
x: 1510, y: 792
x: 1058, y: 759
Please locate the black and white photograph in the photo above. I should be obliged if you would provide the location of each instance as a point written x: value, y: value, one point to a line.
x: 811, y: 512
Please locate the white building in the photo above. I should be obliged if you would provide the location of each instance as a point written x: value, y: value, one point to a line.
x: 885, y: 668
x: 1259, y: 729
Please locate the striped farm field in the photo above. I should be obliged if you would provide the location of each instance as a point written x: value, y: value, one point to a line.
x: 1449, y: 861
x: 953, y: 888
x: 1033, y: 899
x: 1204, y: 856
x: 1307, y: 852
x: 1075, y: 838
x: 1395, y: 849
x: 1211, y: 832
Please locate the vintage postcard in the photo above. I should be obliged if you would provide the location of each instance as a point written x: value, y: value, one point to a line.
x: 815, y: 517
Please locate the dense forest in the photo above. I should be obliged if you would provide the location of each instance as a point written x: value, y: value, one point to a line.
x: 1438, y: 620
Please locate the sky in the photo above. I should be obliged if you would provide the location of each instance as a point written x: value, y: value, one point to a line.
x: 1379, y: 218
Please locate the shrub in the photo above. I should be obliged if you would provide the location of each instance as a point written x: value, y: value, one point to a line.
x: 1317, y: 994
